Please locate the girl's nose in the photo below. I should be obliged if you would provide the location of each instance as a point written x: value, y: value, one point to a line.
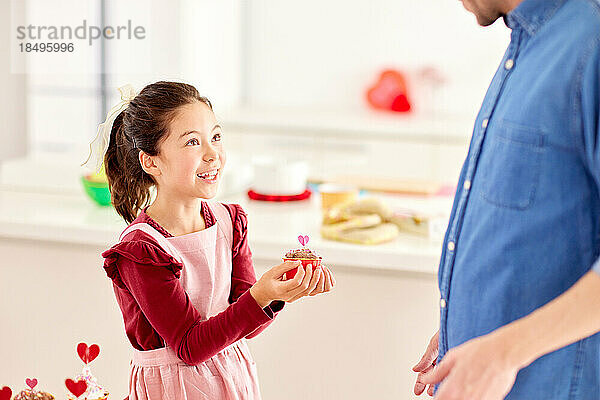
x: 210, y: 154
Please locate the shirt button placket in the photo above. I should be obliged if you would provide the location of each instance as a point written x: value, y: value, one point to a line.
x: 450, y: 246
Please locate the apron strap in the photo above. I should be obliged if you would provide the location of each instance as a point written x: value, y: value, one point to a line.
x: 223, y: 220
x: 156, y: 235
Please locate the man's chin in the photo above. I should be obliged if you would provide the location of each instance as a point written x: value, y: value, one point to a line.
x: 484, y: 20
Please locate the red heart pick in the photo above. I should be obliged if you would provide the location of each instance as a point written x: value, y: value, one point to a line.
x: 301, y: 240
x: 82, y: 351
x: 31, y: 382
x: 5, y: 393
x: 77, y: 388
x: 88, y: 354
x: 93, y: 352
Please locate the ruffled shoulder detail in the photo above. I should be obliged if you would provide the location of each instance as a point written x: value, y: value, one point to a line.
x: 238, y: 217
x: 140, y: 248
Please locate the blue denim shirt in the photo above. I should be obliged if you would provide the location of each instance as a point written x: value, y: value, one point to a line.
x: 525, y: 223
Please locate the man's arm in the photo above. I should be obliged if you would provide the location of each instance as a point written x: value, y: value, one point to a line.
x: 570, y: 317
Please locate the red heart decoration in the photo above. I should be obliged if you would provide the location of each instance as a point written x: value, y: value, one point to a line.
x: 389, y: 92
x: 5, y: 393
x: 400, y: 104
x: 88, y: 354
x: 77, y: 388
x: 31, y: 382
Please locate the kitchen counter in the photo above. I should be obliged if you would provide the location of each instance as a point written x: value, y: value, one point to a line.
x: 273, y: 228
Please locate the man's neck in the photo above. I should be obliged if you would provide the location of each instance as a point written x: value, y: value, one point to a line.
x: 507, y: 6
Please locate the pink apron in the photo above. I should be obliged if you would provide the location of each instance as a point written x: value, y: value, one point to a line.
x: 206, y: 277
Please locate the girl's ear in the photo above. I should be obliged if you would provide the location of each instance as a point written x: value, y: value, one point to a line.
x: 148, y: 164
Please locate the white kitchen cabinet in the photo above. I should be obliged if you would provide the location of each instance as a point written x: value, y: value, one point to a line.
x: 358, y: 342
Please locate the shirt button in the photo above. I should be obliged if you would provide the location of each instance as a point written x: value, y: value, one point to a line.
x: 442, y: 303
x: 451, y: 246
x: 484, y: 123
x: 467, y: 185
x: 509, y: 64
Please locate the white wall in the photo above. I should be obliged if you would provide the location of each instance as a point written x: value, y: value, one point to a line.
x: 309, y: 55
x: 325, y: 53
x: 63, y: 94
x: 13, y: 109
x: 192, y: 41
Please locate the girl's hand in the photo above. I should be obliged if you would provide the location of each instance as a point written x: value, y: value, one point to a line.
x: 478, y: 369
x: 325, y: 284
x: 271, y: 287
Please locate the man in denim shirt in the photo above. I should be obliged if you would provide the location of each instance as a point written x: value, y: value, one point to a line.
x: 519, y: 275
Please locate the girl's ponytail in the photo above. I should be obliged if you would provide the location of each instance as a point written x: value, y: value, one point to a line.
x: 129, y: 185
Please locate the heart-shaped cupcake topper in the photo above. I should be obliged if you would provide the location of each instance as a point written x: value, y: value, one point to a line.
x: 5, y: 393
x: 31, y: 382
x: 303, y: 240
x: 88, y: 354
x: 76, y: 387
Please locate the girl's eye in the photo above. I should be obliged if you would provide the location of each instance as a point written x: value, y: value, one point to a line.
x: 217, y: 137
x: 191, y: 140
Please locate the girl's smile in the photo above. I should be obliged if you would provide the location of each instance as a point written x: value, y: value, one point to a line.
x: 210, y: 177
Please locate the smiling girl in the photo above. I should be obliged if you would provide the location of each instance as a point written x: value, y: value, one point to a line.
x: 182, y: 270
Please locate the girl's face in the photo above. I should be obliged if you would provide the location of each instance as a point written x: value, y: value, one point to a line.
x: 191, y: 158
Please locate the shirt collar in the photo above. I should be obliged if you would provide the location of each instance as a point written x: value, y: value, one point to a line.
x: 530, y: 15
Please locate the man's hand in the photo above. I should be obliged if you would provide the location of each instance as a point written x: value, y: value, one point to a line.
x: 478, y: 369
x: 426, y: 364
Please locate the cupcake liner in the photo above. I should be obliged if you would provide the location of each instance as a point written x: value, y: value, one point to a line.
x: 315, y: 262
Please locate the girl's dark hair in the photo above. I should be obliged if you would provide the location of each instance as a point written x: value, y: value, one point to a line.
x: 144, y: 122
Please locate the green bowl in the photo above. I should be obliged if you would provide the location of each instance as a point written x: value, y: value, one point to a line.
x: 98, y: 191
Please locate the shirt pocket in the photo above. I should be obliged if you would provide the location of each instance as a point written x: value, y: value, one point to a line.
x: 510, y: 169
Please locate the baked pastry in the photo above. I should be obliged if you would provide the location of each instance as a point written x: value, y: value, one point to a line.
x: 369, y: 235
x: 368, y: 206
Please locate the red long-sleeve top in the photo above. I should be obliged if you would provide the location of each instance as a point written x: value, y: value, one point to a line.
x: 155, y: 306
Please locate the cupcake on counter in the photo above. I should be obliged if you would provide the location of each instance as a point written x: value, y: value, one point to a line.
x: 85, y: 385
x: 31, y: 393
x: 305, y: 255
x: 94, y: 391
